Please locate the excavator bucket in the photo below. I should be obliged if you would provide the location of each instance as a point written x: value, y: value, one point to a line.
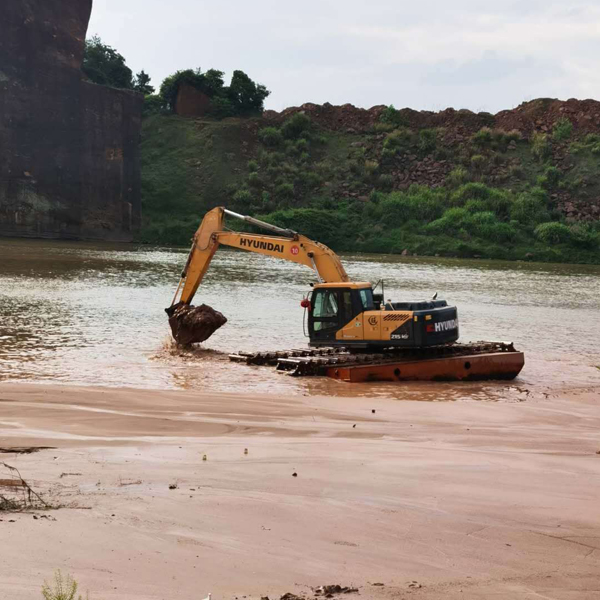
x: 194, y: 324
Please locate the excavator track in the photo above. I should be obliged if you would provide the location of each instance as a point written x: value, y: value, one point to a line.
x: 321, y: 361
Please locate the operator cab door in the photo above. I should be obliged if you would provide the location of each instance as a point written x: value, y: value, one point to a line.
x: 331, y: 310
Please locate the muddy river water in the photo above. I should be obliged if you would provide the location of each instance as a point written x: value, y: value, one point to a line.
x: 93, y: 314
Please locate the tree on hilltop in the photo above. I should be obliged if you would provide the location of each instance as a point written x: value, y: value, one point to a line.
x: 247, y: 96
x: 105, y: 66
x: 141, y: 84
x: 242, y: 97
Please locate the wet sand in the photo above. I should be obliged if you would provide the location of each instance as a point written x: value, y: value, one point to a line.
x: 470, y: 500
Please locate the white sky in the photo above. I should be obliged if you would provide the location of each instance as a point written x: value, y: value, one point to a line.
x: 425, y: 54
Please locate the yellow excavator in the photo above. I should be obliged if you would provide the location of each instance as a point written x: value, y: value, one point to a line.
x: 341, y: 313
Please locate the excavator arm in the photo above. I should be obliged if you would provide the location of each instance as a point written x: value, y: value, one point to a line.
x: 286, y: 245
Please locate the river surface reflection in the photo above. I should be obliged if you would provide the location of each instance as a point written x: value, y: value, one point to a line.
x: 93, y: 314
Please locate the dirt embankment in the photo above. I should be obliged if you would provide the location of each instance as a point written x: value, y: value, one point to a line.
x: 530, y: 117
x: 456, y: 129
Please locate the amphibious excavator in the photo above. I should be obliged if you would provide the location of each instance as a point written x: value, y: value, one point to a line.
x: 355, y: 334
x: 341, y: 312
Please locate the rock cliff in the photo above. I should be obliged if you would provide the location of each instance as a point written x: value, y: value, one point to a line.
x: 69, y: 149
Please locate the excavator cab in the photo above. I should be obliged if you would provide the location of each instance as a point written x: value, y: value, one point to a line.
x: 351, y: 315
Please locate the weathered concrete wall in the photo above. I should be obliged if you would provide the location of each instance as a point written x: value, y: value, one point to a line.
x: 69, y: 149
x: 191, y: 102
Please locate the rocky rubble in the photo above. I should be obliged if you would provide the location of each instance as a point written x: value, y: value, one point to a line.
x: 537, y: 115
x: 455, y: 129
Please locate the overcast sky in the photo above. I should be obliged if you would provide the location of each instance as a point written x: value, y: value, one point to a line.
x: 425, y: 54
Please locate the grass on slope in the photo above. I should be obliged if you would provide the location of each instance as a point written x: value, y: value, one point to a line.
x: 188, y: 167
x: 494, y: 196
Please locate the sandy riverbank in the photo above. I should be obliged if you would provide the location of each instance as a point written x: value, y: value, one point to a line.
x: 471, y: 500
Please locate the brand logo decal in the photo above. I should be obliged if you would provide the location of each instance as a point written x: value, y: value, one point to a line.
x: 446, y: 325
x: 295, y: 250
x: 373, y: 321
x: 270, y: 246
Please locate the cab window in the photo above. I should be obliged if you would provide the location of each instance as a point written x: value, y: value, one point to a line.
x: 366, y: 299
x: 325, y: 310
x: 325, y: 305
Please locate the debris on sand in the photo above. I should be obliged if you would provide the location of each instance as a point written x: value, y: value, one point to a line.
x: 194, y: 324
x: 25, y: 450
x: 328, y: 591
x: 16, y: 494
x: 290, y: 596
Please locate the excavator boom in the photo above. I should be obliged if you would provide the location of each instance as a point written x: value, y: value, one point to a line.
x: 287, y: 245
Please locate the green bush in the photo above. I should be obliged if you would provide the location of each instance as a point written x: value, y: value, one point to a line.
x: 457, y: 177
x: 501, y: 233
x: 309, y: 179
x: 585, y: 236
x: 514, y: 136
x: 356, y: 167
x: 483, y: 137
x: 383, y: 127
x: 476, y: 206
x: 500, y: 201
x: 371, y: 167
x: 550, y: 179
x: 494, y: 199
x: 385, y: 182
x: 541, y: 147
x: 529, y: 209
x: 221, y: 108
x: 591, y: 143
x: 243, y: 196
x: 254, y: 180
x: 63, y: 588
x: 270, y: 137
x: 427, y: 141
x: 285, y: 191
x: 153, y: 105
x: 392, y: 118
x: 478, y: 163
x: 470, y: 191
x: 398, y: 140
x: 296, y: 126
x: 553, y: 233
x: 419, y: 204
x: 450, y: 223
x: 562, y: 130
x: 516, y: 171
x: 500, y: 140
x: 302, y: 145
